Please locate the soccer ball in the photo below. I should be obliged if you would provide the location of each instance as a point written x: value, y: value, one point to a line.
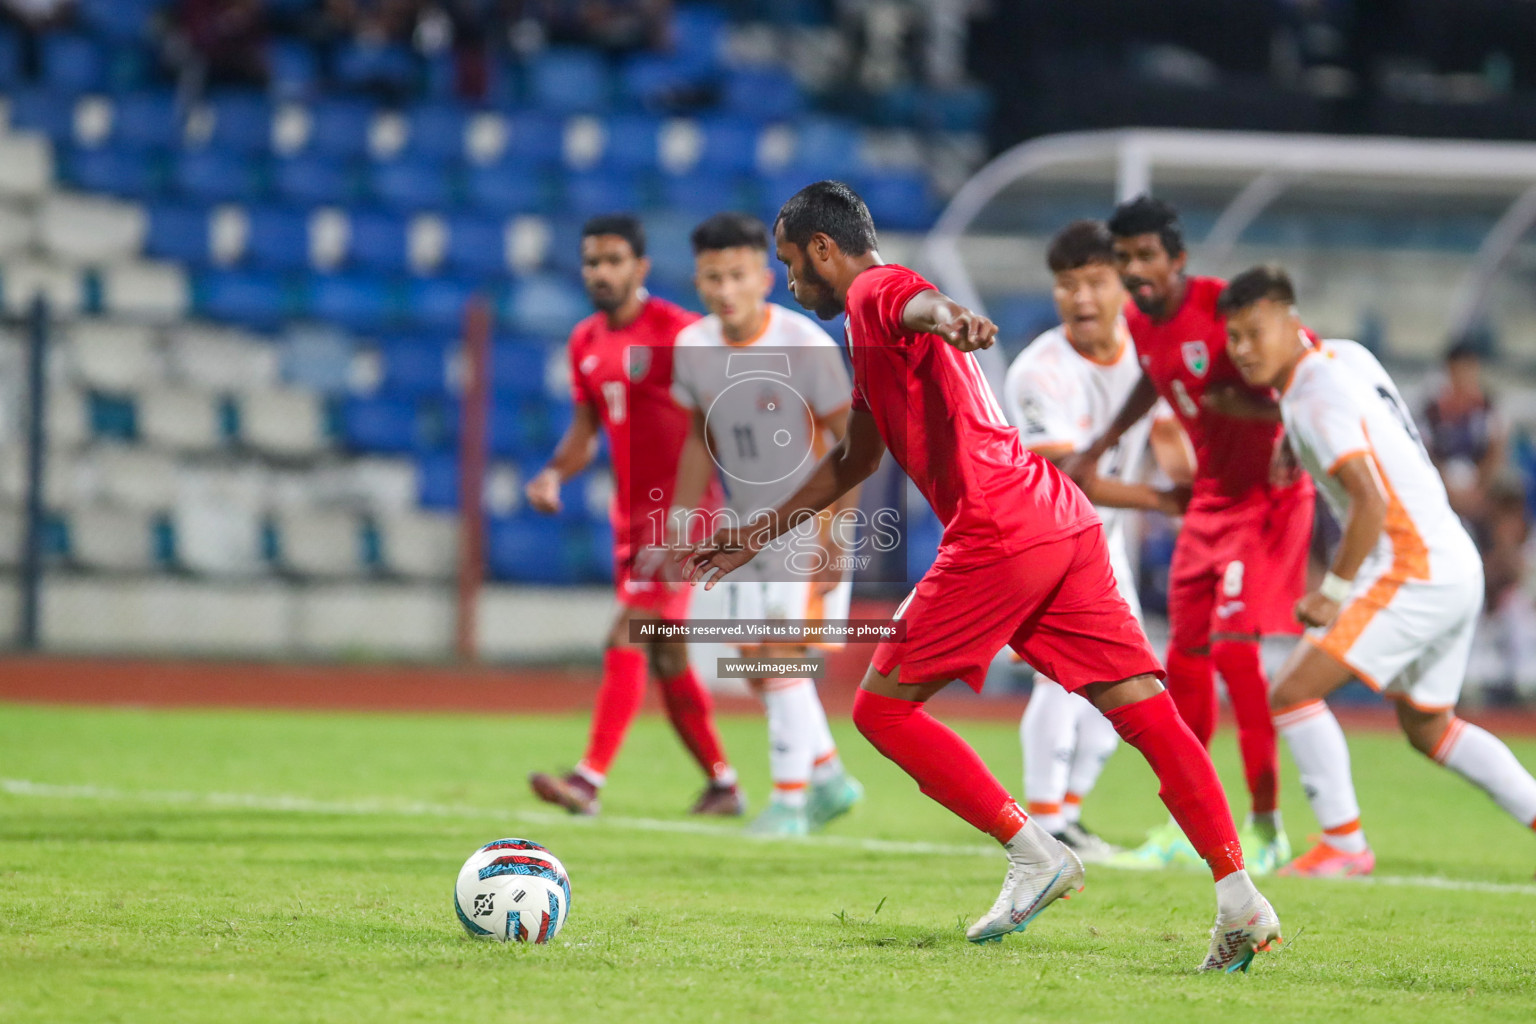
x: 512, y: 890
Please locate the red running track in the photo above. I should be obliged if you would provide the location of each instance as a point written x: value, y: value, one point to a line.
x: 141, y: 682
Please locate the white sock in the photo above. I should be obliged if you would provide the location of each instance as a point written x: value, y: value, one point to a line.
x: 1483, y: 760
x: 1033, y: 845
x: 596, y: 778
x: 1322, y: 756
x: 1096, y: 741
x: 1048, y: 733
x: 825, y: 764
x: 789, y: 703
x: 1233, y: 893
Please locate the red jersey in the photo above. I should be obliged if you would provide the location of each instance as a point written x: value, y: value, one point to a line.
x: 626, y: 374
x: 1183, y: 356
x: 942, y: 424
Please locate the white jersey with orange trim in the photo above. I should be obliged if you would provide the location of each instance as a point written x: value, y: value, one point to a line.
x: 1061, y: 400
x: 1407, y: 625
x: 765, y: 402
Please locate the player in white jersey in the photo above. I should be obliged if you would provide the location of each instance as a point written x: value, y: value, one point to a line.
x: 1401, y: 599
x: 768, y: 390
x: 1063, y: 391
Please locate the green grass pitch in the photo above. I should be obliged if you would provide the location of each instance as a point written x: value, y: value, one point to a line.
x: 243, y: 866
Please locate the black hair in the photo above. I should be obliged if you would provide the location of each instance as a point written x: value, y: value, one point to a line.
x: 626, y: 225
x: 1145, y: 216
x: 1078, y: 244
x: 730, y: 231
x: 833, y: 209
x: 1465, y: 347
x: 1268, y: 281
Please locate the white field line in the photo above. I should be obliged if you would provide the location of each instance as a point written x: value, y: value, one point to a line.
x: 420, y: 809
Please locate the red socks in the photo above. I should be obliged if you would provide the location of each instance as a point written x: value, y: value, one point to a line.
x: 944, y: 765
x: 1240, y: 666
x: 1189, y: 787
x: 618, y: 701
x: 1192, y: 685
x: 689, y: 707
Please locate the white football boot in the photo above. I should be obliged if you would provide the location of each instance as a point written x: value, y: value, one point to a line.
x: 1237, y: 937
x: 1028, y: 888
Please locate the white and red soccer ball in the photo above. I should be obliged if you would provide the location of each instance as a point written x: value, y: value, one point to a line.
x: 512, y: 890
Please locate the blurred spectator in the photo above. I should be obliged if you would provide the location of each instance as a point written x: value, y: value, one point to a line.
x: 372, y: 21
x: 615, y: 25
x: 1465, y: 435
x: 221, y: 42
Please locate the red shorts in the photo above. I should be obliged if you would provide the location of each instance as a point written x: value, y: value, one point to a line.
x: 666, y: 599
x: 1240, y: 569
x: 1056, y: 604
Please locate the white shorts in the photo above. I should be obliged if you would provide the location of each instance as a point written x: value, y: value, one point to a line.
x: 1408, y: 640
x: 752, y: 599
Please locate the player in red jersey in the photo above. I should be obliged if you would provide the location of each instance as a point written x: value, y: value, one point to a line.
x: 621, y: 382
x: 1023, y: 562
x: 1240, y: 562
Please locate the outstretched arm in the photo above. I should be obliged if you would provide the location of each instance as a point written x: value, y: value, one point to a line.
x: 932, y: 312
x: 848, y: 463
x: 572, y: 455
x: 1362, y: 529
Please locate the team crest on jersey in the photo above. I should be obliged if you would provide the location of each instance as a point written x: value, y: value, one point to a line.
x: 1197, y: 357
x: 639, y: 359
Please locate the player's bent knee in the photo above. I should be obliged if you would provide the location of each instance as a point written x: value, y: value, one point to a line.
x: 1111, y: 695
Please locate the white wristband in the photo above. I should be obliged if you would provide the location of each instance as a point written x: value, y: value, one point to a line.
x: 1335, y: 588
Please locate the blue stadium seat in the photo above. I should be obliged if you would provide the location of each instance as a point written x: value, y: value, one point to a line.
x: 506, y: 188
x: 242, y: 122
x: 766, y: 94
x: 826, y: 148
x: 517, y: 367
x: 379, y: 241
x: 357, y: 301
x: 114, y: 171
x: 414, y: 370
x: 659, y: 82
x: 438, y: 303
x: 41, y: 110
x: 10, y: 58
x: 340, y: 127
x: 72, y: 63
x: 730, y: 144
x: 366, y: 65
x: 313, y: 179
x: 146, y: 120
x: 898, y: 200
x: 596, y: 192
x: 121, y: 20
x: 211, y: 175
x: 632, y: 142
x: 437, y: 480
x: 437, y: 131
x: 545, y: 304
x: 535, y: 139
x: 668, y: 242
x: 477, y: 246
x: 701, y: 32
x: 554, y: 419
x: 379, y: 425
x: 599, y: 563
x: 704, y: 193
x: 509, y: 433
x: 568, y: 79
x: 278, y: 239
x: 247, y: 297
x: 293, y: 71
x: 178, y: 233
x: 112, y: 416
x: 961, y: 109
x: 531, y: 549
x: 411, y: 184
